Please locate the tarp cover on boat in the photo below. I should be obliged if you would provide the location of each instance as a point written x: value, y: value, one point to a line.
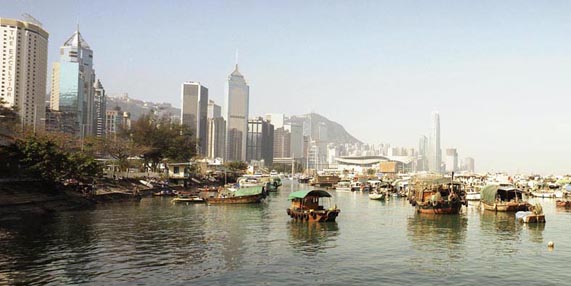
x: 489, y: 192
x: 436, y: 181
x: 248, y: 191
x: 305, y: 193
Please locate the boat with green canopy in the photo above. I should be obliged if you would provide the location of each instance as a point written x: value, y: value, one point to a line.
x: 244, y: 195
x: 308, y: 205
x: 503, y: 199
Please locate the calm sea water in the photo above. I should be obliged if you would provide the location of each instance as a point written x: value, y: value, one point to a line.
x: 153, y: 242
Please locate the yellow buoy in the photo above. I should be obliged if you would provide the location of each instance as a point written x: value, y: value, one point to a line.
x: 550, y: 244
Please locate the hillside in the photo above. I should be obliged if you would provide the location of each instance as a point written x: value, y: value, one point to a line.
x: 333, y: 132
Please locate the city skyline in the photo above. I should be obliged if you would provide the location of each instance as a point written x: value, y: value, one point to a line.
x: 482, y: 68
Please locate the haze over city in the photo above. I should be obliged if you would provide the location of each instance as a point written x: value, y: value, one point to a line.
x: 496, y: 72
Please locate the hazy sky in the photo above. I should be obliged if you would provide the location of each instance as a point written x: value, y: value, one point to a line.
x: 497, y: 71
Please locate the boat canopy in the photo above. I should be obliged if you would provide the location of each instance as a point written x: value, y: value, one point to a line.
x: 489, y: 193
x: 305, y: 193
x: 248, y: 191
x: 437, y: 181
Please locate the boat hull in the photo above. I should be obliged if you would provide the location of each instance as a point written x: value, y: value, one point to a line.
x: 543, y: 194
x: 563, y: 204
x: 377, y: 197
x: 313, y: 216
x: 441, y: 208
x: 253, y: 199
x: 506, y: 207
x: 472, y: 196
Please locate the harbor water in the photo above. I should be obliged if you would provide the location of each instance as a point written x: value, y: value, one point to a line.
x: 153, y: 242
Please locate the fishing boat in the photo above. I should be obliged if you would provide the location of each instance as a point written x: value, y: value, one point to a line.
x: 187, y: 199
x: 473, y: 195
x: 381, y: 192
x: 438, y: 195
x: 324, y: 181
x: 563, y: 204
x: 165, y: 193
x: 534, y: 216
x: 503, y: 199
x: 343, y: 186
x: 307, y: 205
x: 243, y: 195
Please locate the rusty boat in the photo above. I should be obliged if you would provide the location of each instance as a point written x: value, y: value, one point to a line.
x: 307, y: 205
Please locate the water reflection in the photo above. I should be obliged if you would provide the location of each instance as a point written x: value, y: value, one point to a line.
x: 503, y: 228
x: 311, y: 238
x: 439, y: 239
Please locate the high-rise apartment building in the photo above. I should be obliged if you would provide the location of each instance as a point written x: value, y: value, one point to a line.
x: 73, y: 85
x: 194, y: 113
x: 23, y: 72
x: 296, y: 143
x: 434, y: 151
x: 237, y: 108
x: 117, y: 120
x: 100, y: 109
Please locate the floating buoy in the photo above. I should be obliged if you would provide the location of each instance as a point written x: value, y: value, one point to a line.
x: 550, y: 244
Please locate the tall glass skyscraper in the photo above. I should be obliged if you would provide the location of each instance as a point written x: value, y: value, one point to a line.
x: 237, y: 104
x: 194, y: 112
x: 73, y: 80
x: 434, y: 151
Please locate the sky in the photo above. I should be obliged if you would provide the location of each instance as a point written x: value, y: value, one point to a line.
x: 496, y: 71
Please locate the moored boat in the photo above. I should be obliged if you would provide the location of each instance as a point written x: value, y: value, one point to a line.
x: 245, y: 195
x: 307, y: 205
x: 381, y: 192
x: 503, y: 199
x: 563, y: 204
x: 343, y: 186
x: 438, y: 196
x: 187, y: 199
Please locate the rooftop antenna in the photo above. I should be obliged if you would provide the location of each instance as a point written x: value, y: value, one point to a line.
x: 31, y: 19
x: 236, y: 57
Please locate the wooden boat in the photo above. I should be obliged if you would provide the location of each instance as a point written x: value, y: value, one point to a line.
x: 187, y: 199
x: 503, y: 199
x: 164, y: 193
x: 308, y: 206
x: 304, y: 180
x: 245, y: 195
x: 324, y: 181
x: 534, y: 216
x: 381, y: 192
x: 438, y: 195
x: 563, y: 204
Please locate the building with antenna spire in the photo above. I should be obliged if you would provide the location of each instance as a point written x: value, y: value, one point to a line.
x: 237, y: 108
x: 73, y: 86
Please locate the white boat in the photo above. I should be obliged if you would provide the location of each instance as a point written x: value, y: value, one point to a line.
x: 343, y: 186
x: 356, y: 186
x: 543, y: 194
x: 378, y: 195
x: 473, y: 196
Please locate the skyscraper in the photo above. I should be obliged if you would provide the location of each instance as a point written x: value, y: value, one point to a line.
x: 100, y: 109
x: 216, y: 131
x: 434, y: 151
x: 451, y: 160
x: 237, y: 108
x: 73, y: 82
x: 194, y: 112
x: 214, y: 110
x: 24, y: 50
x: 422, y: 154
x: 260, y: 141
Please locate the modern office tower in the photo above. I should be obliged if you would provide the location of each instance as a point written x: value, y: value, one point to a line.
x: 100, y: 109
x: 214, y: 110
x: 422, y: 164
x: 296, y: 139
x: 117, y: 120
x: 434, y: 151
x: 216, y: 137
x: 451, y: 160
x: 469, y: 164
x: 73, y: 82
x: 194, y: 112
x: 260, y: 141
x: 237, y: 102
x: 23, y: 72
x: 282, y: 140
